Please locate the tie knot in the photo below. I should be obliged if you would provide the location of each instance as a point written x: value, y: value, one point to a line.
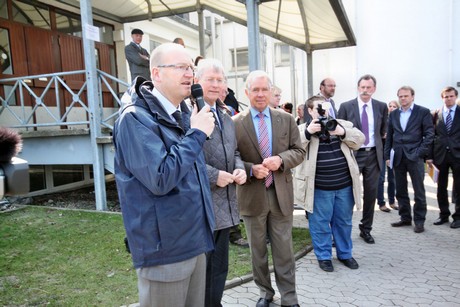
x: 364, y: 106
x: 261, y: 115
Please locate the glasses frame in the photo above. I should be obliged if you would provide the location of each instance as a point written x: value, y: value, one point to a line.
x: 181, y: 67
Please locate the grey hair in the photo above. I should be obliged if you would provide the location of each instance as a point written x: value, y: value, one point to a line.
x: 206, y: 64
x: 256, y: 74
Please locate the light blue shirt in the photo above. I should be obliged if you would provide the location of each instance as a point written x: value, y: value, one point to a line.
x: 445, y: 111
x: 268, y: 122
x: 404, y: 116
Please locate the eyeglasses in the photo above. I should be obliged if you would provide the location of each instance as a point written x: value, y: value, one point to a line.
x: 181, y: 67
x: 216, y: 80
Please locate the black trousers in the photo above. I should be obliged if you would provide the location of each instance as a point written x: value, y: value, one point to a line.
x: 369, y: 168
x: 443, y: 202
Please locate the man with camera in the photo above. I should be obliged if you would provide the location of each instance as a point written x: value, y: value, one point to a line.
x: 369, y: 116
x: 328, y: 183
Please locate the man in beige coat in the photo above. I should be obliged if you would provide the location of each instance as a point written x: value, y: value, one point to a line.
x: 327, y: 184
x: 269, y: 144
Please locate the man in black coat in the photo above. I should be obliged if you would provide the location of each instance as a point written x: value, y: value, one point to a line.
x: 410, y: 134
x: 137, y: 57
x: 368, y: 115
x: 446, y: 153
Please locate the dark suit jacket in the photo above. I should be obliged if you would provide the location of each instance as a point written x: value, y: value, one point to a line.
x: 350, y: 111
x: 444, y: 140
x: 252, y: 196
x: 137, y: 65
x: 415, y: 141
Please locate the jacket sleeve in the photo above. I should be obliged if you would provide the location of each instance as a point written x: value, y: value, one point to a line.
x: 354, y: 138
x: 295, y: 154
x: 428, y: 135
x: 133, y: 56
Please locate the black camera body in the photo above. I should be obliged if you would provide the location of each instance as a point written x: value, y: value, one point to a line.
x: 327, y: 124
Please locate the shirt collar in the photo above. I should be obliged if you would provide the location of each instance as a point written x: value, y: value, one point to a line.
x: 255, y: 112
x: 361, y: 103
x: 167, y: 105
x: 453, y: 108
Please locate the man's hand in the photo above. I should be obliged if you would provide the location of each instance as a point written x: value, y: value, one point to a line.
x: 203, y: 120
x: 259, y: 171
x: 273, y: 163
x: 239, y: 176
x: 338, y: 131
x: 314, y: 127
x: 224, y: 179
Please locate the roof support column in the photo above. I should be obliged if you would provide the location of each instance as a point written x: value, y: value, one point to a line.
x: 94, y: 105
x: 201, y: 32
x: 310, y: 72
x: 252, y: 8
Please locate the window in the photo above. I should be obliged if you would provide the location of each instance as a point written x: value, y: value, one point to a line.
x: 64, y: 174
x: 37, y: 177
x: 282, y: 55
x: 36, y: 15
x: 153, y: 44
x: 3, y: 9
x: 6, y: 65
x: 242, y: 60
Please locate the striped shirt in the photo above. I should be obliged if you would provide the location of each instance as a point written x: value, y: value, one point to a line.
x: 332, y: 172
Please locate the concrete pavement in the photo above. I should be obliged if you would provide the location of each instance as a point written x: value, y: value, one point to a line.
x: 401, y: 269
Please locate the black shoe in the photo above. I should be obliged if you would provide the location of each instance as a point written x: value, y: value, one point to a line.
x: 295, y: 305
x: 440, y: 221
x: 419, y: 228
x: 401, y: 223
x: 350, y: 263
x: 264, y: 302
x: 367, y: 237
x: 455, y: 224
x: 326, y: 265
x: 241, y: 242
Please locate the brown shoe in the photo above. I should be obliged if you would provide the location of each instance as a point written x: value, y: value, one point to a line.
x: 241, y: 242
x: 394, y: 206
x: 384, y: 208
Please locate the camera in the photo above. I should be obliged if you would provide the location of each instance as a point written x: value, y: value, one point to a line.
x: 327, y: 124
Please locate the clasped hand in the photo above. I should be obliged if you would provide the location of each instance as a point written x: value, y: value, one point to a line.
x: 224, y: 178
x: 260, y: 171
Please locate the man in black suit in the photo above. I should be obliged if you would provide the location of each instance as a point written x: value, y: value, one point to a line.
x: 137, y: 57
x: 410, y: 134
x: 446, y: 153
x: 368, y: 115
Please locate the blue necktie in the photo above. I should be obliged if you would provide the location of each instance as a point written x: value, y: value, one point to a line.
x: 448, y: 122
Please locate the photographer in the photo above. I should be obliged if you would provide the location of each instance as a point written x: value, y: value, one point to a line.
x: 328, y: 183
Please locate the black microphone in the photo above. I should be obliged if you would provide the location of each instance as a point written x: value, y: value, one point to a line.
x: 197, y: 93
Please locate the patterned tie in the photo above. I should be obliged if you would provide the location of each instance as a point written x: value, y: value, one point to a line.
x: 265, y: 146
x: 448, y: 122
x: 216, y: 117
x: 365, y: 124
x: 178, y: 117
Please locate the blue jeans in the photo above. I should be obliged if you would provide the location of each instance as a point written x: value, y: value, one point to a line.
x: 391, y: 186
x: 332, y: 216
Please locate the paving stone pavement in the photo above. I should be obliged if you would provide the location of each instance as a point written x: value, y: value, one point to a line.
x: 401, y: 269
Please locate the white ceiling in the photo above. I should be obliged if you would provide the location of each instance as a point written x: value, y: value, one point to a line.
x: 306, y: 24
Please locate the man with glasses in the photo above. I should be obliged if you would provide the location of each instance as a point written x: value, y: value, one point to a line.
x: 162, y: 182
x: 269, y: 143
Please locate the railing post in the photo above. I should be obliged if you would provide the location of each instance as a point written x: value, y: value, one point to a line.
x: 94, y: 105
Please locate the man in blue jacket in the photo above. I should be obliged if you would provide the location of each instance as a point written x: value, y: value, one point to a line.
x: 162, y: 182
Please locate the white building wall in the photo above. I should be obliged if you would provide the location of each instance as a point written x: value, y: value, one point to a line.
x: 400, y: 42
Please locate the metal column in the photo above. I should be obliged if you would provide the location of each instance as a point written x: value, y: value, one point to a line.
x: 252, y: 8
x: 94, y: 103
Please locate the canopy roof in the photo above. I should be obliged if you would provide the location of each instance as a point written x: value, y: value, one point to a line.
x: 305, y: 24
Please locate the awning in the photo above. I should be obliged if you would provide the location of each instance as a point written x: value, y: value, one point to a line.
x: 305, y: 24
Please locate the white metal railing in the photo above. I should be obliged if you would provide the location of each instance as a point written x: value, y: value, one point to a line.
x: 15, y: 112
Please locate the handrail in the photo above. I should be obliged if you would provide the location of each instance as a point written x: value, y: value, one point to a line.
x: 16, y: 114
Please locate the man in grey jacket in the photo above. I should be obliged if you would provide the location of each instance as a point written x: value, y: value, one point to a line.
x: 137, y: 57
x: 225, y: 169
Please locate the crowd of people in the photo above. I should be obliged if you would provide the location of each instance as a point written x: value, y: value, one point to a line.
x: 190, y: 166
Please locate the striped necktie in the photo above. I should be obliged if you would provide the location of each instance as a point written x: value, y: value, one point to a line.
x: 365, y: 124
x: 448, y: 122
x: 265, y: 146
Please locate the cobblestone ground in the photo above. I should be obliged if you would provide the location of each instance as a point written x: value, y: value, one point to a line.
x: 401, y: 269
